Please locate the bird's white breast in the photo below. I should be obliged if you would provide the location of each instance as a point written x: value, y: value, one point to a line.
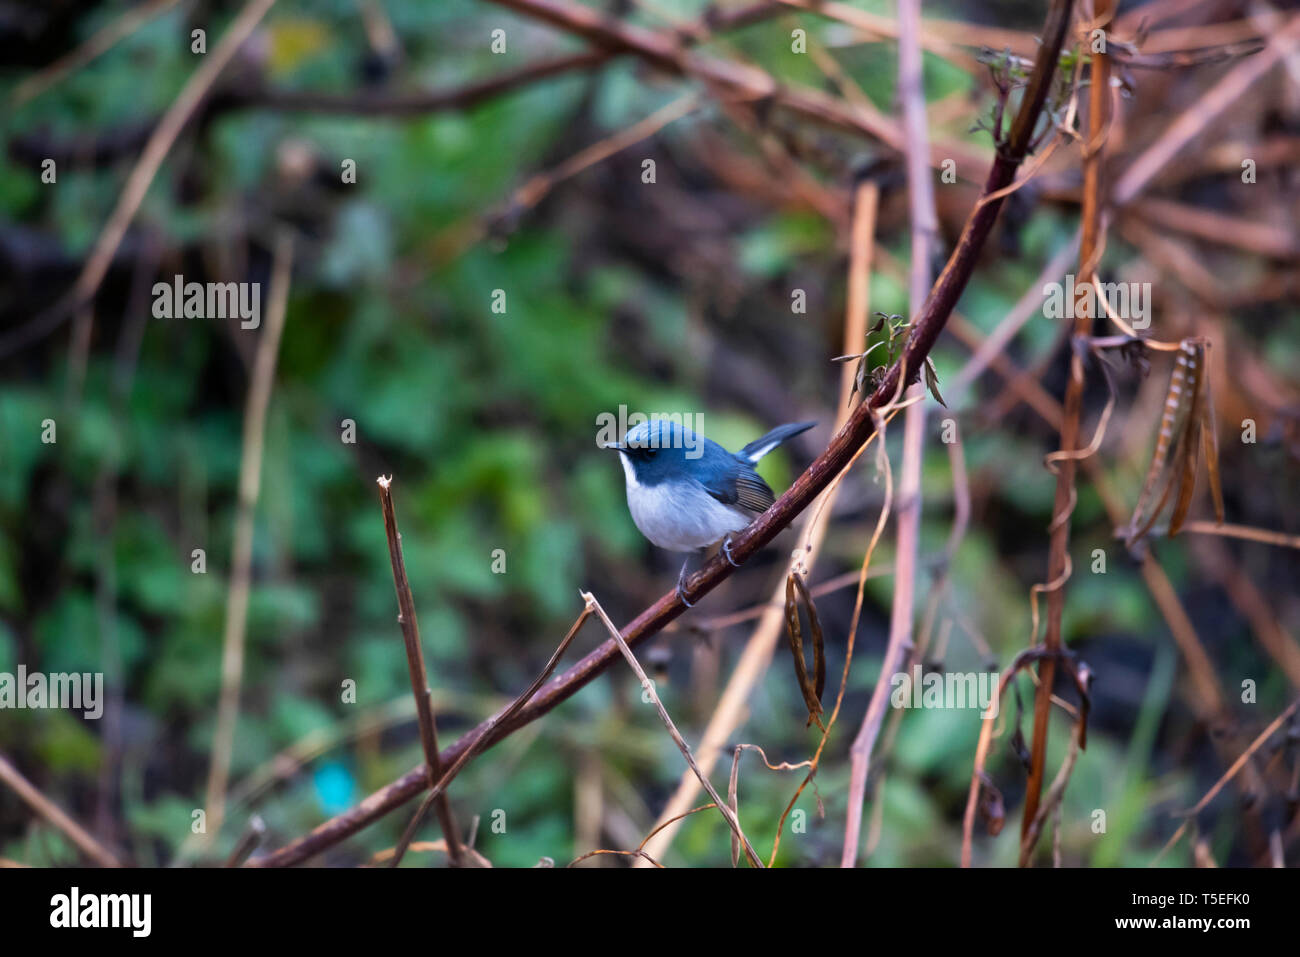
x: 680, y: 516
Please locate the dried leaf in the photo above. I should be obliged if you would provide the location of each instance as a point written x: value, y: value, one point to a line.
x: 1191, y: 460
x: 860, y: 380
x: 1189, y: 434
x: 1136, y: 353
x: 733, y: 802
x: 992, y: 808
x: 1163, y: 441
x: 1017, y: 741
x: 794, y: 631
x: 1183, y: 429
x: 819, y: 644
x: 932, y: 382
x: 1210, y: 436
x: 1021, y: 749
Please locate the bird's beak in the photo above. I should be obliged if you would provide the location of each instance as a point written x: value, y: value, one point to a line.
x: 616, y: 446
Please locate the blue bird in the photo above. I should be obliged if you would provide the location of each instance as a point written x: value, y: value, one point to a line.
x: 687, y: 492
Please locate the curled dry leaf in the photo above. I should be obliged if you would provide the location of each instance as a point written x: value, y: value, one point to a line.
x: 811, y: 690
x: 932, y: 382
x: 1186, y: 427
x: 992, y: 809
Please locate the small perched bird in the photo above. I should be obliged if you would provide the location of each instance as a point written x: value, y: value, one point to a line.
x: 687, y: 492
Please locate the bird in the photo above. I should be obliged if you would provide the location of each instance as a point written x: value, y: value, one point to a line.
x: 686, y: 492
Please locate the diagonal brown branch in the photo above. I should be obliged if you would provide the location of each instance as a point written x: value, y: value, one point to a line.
x: 1227, y: 776
x: 164, y: 136
x: 1192, y: 122
x: 103, y: 41
x: 47, y: 809
x: 733, y: 79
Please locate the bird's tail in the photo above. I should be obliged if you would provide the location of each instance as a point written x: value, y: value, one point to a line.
x: 759, y: 447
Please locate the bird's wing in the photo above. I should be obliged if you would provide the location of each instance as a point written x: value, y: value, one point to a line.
x: 743, y: 487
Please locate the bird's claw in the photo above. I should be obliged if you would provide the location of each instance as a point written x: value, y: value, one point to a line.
x: 726, y: 552
x: 681, y: 593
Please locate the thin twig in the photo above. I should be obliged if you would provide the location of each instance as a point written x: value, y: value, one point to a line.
x: 1191, y: 122
x: 1058, y: 565
x: 532, y: 192
x: 47, y: 809
x: 1025, y: 309
x: 419, y: 675
x: 1253, y: 605
x: 484, y: 737
x: 648, y: 688
x: 101, y: 42
x: 247, y: 843
x: 142, y: 175
x: 1227, y: 530
x: 924, y: 223
x: 664, y: 51
x: 250, y: 483
x: 1227, y: 776
x: 1052, y: 802
x: 987, y: 720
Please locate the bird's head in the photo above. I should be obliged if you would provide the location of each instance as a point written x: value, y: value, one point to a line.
x: 656, y: 451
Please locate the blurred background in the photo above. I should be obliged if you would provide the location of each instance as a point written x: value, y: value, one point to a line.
x: 469, y: 291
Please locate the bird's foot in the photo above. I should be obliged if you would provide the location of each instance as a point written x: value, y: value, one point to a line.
x: 726, y: 552
x: 681, y: 583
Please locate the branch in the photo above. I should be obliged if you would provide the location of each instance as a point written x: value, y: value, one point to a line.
x: 739, y: 80
x: 142, y: 175
x: 420, y: 102
x: 1190, y: 814
x: 479, y: 743
x: 1091, y: 246
x: 845, y: 444
x: 103, y: 41
x: 925, y: 227
x: 419, y: 676
x: 250, y: 479
x: 413, y: 103
x: 1207, y: 108
x: 647, y: 686
x: 47, y: 809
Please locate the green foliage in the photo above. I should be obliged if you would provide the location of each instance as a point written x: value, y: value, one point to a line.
x: 486, y: 419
